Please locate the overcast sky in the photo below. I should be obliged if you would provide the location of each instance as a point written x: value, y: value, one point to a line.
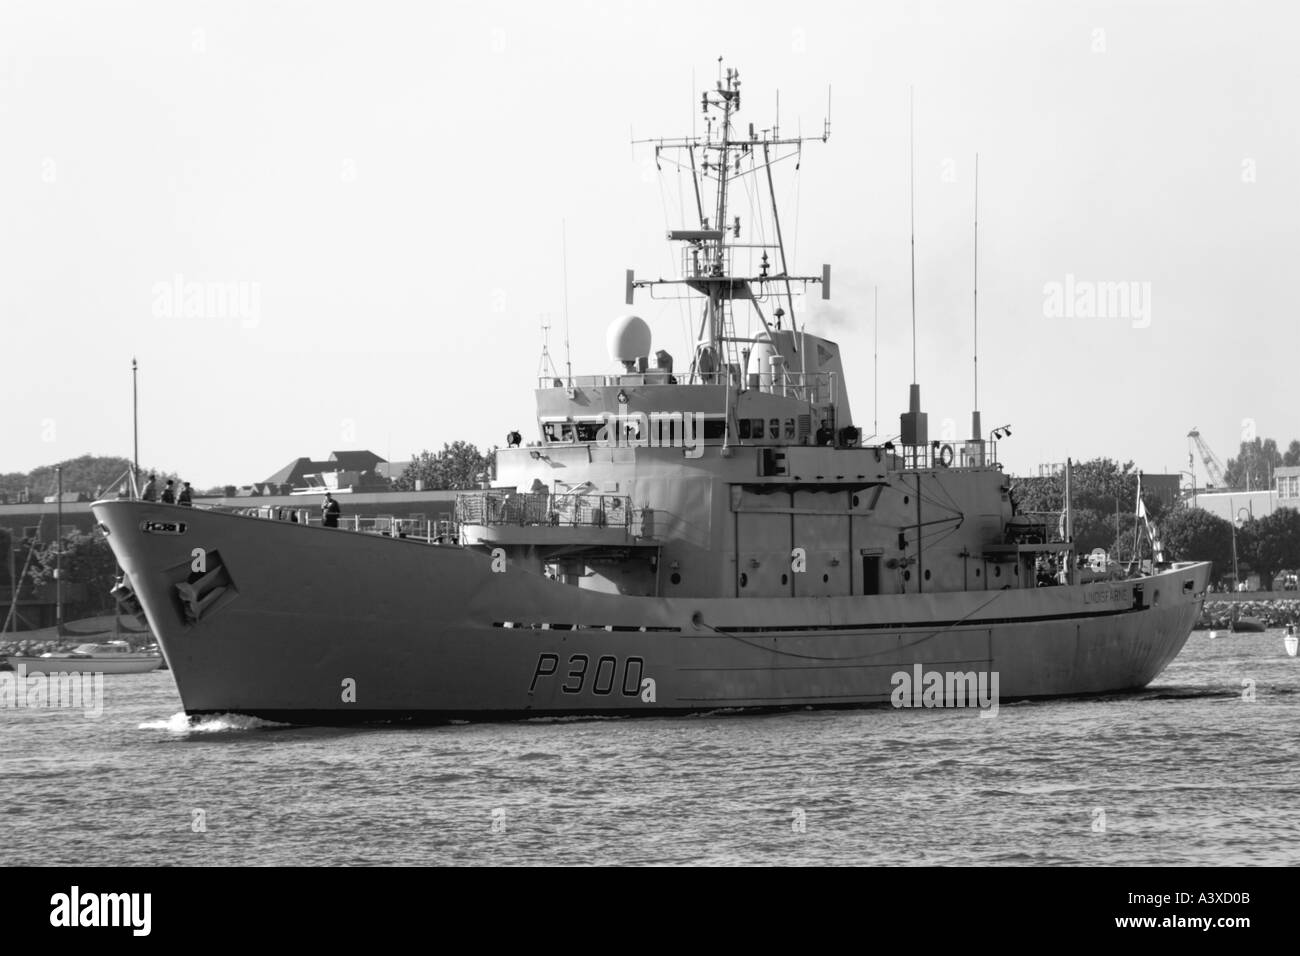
x: 383, y: 185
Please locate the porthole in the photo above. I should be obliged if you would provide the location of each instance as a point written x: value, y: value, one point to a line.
x: 744, y: 579
x: 906, y: 499
x: 826, y: 579
x: 997, y: 572
x: 927, y: 574
x: 676, y: 578
x: 977, y: 572
x: 855, y: 501
x: 785, y: 578
x: 907, y: 575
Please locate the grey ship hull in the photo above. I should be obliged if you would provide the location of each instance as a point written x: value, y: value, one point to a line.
x: 328, y: 626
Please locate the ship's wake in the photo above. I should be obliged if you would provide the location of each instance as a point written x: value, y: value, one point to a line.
x: 182, y: 723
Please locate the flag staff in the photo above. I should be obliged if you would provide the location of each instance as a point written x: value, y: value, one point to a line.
x: 135, y: 430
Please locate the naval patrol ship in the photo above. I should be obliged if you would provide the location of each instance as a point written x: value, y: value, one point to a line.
x: 671, y: 539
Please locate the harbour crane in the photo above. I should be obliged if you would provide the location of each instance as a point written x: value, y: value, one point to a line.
x: 1213, y: 465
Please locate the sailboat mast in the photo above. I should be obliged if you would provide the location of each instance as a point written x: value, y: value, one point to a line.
x: 975, y: 309
x: 564, y: 252
x: 58, y: 552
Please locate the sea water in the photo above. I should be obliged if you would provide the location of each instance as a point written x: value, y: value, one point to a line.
x: 1202, y: 767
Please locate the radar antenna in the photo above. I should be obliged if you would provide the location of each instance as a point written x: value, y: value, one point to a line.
x: 545, y: 366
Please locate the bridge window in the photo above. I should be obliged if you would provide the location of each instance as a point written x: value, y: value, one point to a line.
x: 742, y: 427
x: 774, y: 428
x: 789, y: 428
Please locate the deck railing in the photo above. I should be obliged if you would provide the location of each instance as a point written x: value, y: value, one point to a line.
x: 568, y: 511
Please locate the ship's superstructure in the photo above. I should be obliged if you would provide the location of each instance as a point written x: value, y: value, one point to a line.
x: 673, y: 539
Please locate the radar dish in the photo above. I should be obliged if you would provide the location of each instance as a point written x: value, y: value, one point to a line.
x: 628, y: 339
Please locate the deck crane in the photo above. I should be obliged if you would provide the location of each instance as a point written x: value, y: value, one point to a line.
x: 1213, y: 466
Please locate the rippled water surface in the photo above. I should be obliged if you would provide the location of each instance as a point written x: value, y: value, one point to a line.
x: 1185, y: 772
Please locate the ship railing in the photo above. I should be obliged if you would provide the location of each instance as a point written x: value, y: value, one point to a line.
x: 1037, y: 527
x: 948, y: 453
x: 433, y: 531
x: 815, y: 387
x: 699, y: 261
x: 541, y: 509
x: 653, y: 376
x: 440, y: 531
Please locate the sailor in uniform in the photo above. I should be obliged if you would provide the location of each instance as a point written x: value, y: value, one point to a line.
x: 329, y: 510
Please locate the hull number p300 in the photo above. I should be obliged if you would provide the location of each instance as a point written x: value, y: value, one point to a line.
x: 603, y: 673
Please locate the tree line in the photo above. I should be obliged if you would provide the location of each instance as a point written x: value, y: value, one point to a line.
x: 1104, y: 498
x: 1256, y: 461
x: 458, y: 466
x: 90, y: 475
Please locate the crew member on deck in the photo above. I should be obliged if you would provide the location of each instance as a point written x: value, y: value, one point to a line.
x: 169, y: 493
x: 185, y: 498
x: 150, y: 492
x: 329, y: 510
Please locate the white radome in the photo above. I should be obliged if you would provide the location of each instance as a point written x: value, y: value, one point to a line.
x: 628, y: 339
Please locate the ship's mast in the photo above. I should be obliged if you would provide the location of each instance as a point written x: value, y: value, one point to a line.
x: 728, y: 100
x: 708, y: 265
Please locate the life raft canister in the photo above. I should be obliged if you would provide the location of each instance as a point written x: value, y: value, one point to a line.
x: 946, y: 455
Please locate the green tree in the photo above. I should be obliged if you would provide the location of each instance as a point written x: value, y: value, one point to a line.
x: 1271, y: 544
x: 1254, y: 464
x: 457, y: 467
x: 1292, y: 455
x: 86, y: 560
x: 86, y: 475
x: 1103, y: 495
x: 1194, y: 534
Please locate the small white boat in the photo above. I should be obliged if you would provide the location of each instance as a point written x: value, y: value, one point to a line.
x: 1290, y: 641
x: 109, y: 657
